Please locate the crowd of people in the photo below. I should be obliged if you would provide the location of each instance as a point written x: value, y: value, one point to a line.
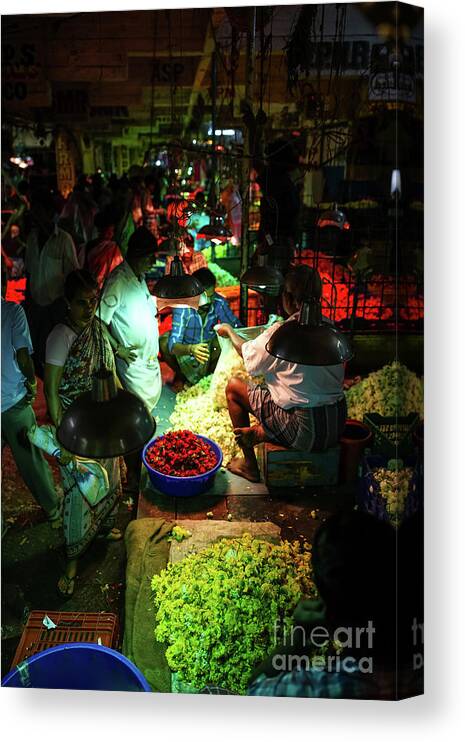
x: 86, y: 262
x: 88, y: 301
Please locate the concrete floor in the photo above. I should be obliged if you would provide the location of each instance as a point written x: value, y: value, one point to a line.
x: 33, y: 555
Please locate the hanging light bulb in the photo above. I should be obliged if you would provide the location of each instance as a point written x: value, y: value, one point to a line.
x: 308, y: 340
x: 396, y: 183
x: 105, y: 422
x: 262, y: 276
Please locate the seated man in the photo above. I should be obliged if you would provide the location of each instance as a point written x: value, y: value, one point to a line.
x: 191, y: 349
x: 191, y: 259
x: 301, y: 407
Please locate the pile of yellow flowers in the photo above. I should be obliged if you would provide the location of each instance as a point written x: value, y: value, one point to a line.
x: 394, y: 488
x: 393, y: 390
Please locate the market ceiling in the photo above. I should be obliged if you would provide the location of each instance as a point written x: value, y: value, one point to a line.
x: 108, y: 71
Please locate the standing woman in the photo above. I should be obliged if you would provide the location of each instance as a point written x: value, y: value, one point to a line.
x: 74, y: 351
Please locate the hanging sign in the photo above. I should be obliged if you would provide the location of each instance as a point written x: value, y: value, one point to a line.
x: 23, y: 81
x: 66, y: 170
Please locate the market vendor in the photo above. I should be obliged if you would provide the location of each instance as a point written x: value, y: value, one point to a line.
x: 191, y: 348
x: 191, y: 259
x: 129, y: 310
x: 300, y: 407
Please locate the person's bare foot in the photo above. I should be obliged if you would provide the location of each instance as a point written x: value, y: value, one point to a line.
x: 249, y: 437
x: 238, y: 466
x: 56, y: 523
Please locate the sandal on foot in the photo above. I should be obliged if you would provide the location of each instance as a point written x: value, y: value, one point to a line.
x: 113, y: 535
x: 68, y: 592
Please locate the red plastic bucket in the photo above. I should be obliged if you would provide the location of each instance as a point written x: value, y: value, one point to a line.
x: 355, y: 438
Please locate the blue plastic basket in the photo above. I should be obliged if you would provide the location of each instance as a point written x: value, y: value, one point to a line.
x: 183, y: 486
x: 77, y: 666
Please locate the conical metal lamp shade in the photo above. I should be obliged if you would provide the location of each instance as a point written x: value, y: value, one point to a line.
x: 178, y: 285
x: 262, y: 277
x: 309, y: 341
x: 215, y: 230
x: 106, y: 422
x: 333, y: 218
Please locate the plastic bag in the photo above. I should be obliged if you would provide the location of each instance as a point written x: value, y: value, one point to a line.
x: 230, y: 363
x: 86, y: 474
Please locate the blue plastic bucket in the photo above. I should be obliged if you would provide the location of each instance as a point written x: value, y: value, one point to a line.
x: 78, y: 666
x: 184, y: 486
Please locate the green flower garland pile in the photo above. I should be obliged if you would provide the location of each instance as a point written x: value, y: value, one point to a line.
x: 217, y: 609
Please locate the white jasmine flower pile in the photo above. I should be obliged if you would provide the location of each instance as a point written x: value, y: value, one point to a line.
x: 393, y: 390
x: 196, y: 411
x: 394, y: 488
x: 203, y: 409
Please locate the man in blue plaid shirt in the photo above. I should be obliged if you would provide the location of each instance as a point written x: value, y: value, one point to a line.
x: 191, y: 349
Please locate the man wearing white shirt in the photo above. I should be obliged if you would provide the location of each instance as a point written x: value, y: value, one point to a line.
x: 301, y: 407
x: 50, y: 256
x: 130, y: 311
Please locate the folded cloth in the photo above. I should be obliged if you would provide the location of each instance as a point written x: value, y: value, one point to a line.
x: 147, y: 554
x: 86, y: 474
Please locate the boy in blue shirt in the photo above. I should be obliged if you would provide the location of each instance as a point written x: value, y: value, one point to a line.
x: 191, y: 348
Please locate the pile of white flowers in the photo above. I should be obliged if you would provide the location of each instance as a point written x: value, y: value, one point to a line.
x: 195, y: 410
x: 394, y: 488
x: 203, y: 409
x: 393, y: 390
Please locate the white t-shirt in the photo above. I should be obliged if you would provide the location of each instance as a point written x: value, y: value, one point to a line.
x: 130, y: 311
x: 59, y: 344
x: 48, y: 267
x: 293, y: 384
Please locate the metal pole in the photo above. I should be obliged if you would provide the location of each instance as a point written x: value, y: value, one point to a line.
x: 246, y: 162
x: 213, y: 171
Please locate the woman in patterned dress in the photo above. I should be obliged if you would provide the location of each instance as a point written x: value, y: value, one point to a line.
x: 75, y: 350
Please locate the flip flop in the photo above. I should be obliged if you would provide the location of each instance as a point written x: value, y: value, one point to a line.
x: 114, y: 535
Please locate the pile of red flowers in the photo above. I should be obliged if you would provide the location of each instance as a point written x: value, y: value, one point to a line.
x: 181, y: 454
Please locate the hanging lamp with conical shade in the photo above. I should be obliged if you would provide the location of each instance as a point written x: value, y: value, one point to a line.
x: 263, y: 276
x: 178, y: 287
x: 215, y: 230
x: 309, y: 340
x: 105, y: 422
x: 333, y: 218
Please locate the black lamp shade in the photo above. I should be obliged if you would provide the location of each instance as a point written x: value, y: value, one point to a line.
x: 262, y: 277
x: 215, y: 230
x: 322, y: 345
x: 178, y: 285
x: 309, y: 341
x: 333, y: 218
x: 105, y: 422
